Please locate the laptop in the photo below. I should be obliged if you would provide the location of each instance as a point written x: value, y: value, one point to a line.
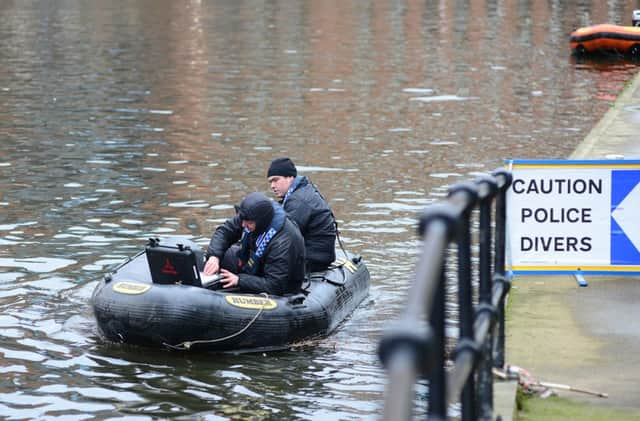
x: 172, y: 264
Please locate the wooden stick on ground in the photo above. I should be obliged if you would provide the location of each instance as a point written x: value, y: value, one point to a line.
x: 572, y: 389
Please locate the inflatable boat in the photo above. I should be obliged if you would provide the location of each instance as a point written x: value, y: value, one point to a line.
x: 133, y: 306
x: 606, y: 38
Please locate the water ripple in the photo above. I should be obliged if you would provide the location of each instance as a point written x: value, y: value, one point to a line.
x: 37, y: 264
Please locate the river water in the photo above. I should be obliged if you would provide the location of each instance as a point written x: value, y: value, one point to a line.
x: 125, y: 120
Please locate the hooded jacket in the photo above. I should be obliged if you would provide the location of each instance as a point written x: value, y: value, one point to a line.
x: 281, y: 269
x: 315, y: 219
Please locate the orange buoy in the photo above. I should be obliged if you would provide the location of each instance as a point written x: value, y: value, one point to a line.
x: 606, y: 38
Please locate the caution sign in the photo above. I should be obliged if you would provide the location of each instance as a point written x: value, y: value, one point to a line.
x: 574, y: 217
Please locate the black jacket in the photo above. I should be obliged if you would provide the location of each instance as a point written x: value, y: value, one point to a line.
x: 281, y: 269
x: 313, y: 215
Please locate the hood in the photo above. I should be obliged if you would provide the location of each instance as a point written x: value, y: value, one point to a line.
x: 256, y: 207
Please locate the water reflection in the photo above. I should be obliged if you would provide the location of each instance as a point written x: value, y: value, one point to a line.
x: 122, y: 121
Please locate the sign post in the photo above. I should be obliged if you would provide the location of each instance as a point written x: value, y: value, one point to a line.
x: 574, y: 217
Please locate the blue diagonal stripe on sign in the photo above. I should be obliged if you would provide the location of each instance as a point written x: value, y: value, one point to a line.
x: 625, y: 217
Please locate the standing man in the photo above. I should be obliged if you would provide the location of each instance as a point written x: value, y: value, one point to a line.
x: 270, y: 257
x: 306, y: 206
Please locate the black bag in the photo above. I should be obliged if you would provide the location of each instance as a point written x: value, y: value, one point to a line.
x: 172, y: 264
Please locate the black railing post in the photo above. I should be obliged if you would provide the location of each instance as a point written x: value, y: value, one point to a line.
x: 487, y: 189
x: 465, y: 290
x: 407, y: 350
x: 411, y: 350
x: 437, y: 380
x: 504, y: 179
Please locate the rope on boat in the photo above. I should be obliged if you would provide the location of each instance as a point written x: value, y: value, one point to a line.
x: 186, y: 345
x: 129, y: 259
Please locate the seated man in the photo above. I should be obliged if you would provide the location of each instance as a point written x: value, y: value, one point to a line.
x: 306, y: 206
x: 270, y: 257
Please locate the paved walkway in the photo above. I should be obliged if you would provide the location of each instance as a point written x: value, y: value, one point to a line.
x: 587, y: 338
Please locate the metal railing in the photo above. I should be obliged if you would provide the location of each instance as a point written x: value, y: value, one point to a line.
x: 413, y: 347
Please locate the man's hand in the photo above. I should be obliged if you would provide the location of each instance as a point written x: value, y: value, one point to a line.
x: 228, y: 279
x: 212, y: 266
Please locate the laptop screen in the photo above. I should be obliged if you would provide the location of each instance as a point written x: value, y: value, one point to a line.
x: 173, y: 265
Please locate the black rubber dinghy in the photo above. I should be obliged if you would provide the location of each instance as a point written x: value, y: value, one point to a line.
x: 130, y: 308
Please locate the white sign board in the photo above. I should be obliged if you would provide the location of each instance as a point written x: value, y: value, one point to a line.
x: 573, y: 217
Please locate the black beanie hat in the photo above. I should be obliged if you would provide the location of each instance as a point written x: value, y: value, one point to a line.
x: 257, y: 207
x: 282, y: 166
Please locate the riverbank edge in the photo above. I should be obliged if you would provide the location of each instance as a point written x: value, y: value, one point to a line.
x: 604, y: 141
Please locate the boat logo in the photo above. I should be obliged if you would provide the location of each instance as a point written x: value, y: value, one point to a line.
x: 252, y: 302
x: 168, y: 268
x: 131, y: 288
